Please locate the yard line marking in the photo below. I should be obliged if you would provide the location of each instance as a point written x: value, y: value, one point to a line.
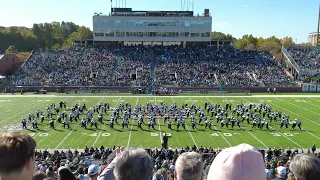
x: 28, y: 107
x: 194, y: 142
x: 293, y: 113
x: 298, y: 106
x: 69, y: 132
x: 132, y: 124
x: 314, y: 99
x: 276, y: 129
x: 313, y: 135
x: 307, y: 103
x: 216, y: 128
x: 299, y: 116
x: 47, y: 126
x: 155, y: 102
x: 104, y: 125
x: 286, y: 137
x: 252, y: 134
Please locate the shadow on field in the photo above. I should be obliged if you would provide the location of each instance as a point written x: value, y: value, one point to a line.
x: 59, y: 130
x: 31, y: 130
x: 119, y: 130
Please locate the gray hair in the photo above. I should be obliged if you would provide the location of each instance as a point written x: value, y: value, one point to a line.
x: 189, y: 166
x: 305, y: 167
x: 133, y: 164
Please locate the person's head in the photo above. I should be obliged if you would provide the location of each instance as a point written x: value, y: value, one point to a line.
x: 133, y: 164
x: 38, y: 175
x: 290, y: 176
x: 305, y: 167
x: 93, y: 171
x: 239, y: 162
x: 17, y: 155
x: 281, y: 172
x: 50, y: 172
x: 65, y: 174
x: 189, y: 165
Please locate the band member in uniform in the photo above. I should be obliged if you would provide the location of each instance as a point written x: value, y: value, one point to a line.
x: 193, y: 124
x: 94, y: 123
x: 24, y: 123
x: 84, y: 123
x: 66, y: 123
x: 51, y: 122
x: 299, y: 124
x: 169, y: 124
x: 34, y: 124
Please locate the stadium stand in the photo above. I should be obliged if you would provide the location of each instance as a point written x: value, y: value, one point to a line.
x: 158, y: 65
x: 308, y: 58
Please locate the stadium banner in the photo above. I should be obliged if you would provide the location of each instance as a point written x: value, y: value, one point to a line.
x: 318, y: 88
x: 305, y: 87
x: 313, y: 88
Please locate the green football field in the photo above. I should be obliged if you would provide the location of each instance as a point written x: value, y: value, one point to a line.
x: 304, y: 107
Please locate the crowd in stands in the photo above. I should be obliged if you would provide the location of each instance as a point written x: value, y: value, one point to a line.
x: 20, y: 160
x: 157, y: 65
x: 308, y: 59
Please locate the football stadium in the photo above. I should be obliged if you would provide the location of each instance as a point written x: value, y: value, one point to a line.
x: 157, y: 95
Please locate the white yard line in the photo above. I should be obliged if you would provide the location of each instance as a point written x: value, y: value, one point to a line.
x: 104, y: 126
x: 297, y: 115
x: 313, y: 135
x: 155, y: 102
x: 286, y: 137
x: 307, y: 103
x: 194, y: 142
x: 294, y: 113
x: 299, y: 106
x: 251, y: 133
x: 132, y: 124
x: 69, y: 132
x: 47, y: 126
x: 216, y: 128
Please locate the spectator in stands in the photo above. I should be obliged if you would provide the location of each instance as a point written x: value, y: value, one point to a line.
x: 93, y: 172
x: 64, y: 173
x: 189, y: 166
x: 305, y: 167
x: 17, y: 156
x: 239, y: 162
x: 128, y: 164
x: 38, y: 175
x: 281, y: 173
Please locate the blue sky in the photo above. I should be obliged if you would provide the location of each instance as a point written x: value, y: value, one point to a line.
x: 295, y: 18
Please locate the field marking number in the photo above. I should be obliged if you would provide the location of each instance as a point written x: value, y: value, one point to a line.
x: 298, y: 100
x: 103, y: 134
x: 43, y: 134
x: 286, y: 134
x: 224, y: 134
x: 156, y: 134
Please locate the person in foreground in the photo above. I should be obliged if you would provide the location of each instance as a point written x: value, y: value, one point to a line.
x: 239, y: 162
x: 17, y: 156
x: 128, y: 164
x: 189, y: 166
x: 305, y: 167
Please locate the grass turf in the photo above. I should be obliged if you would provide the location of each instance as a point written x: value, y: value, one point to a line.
x: 305, y: 108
